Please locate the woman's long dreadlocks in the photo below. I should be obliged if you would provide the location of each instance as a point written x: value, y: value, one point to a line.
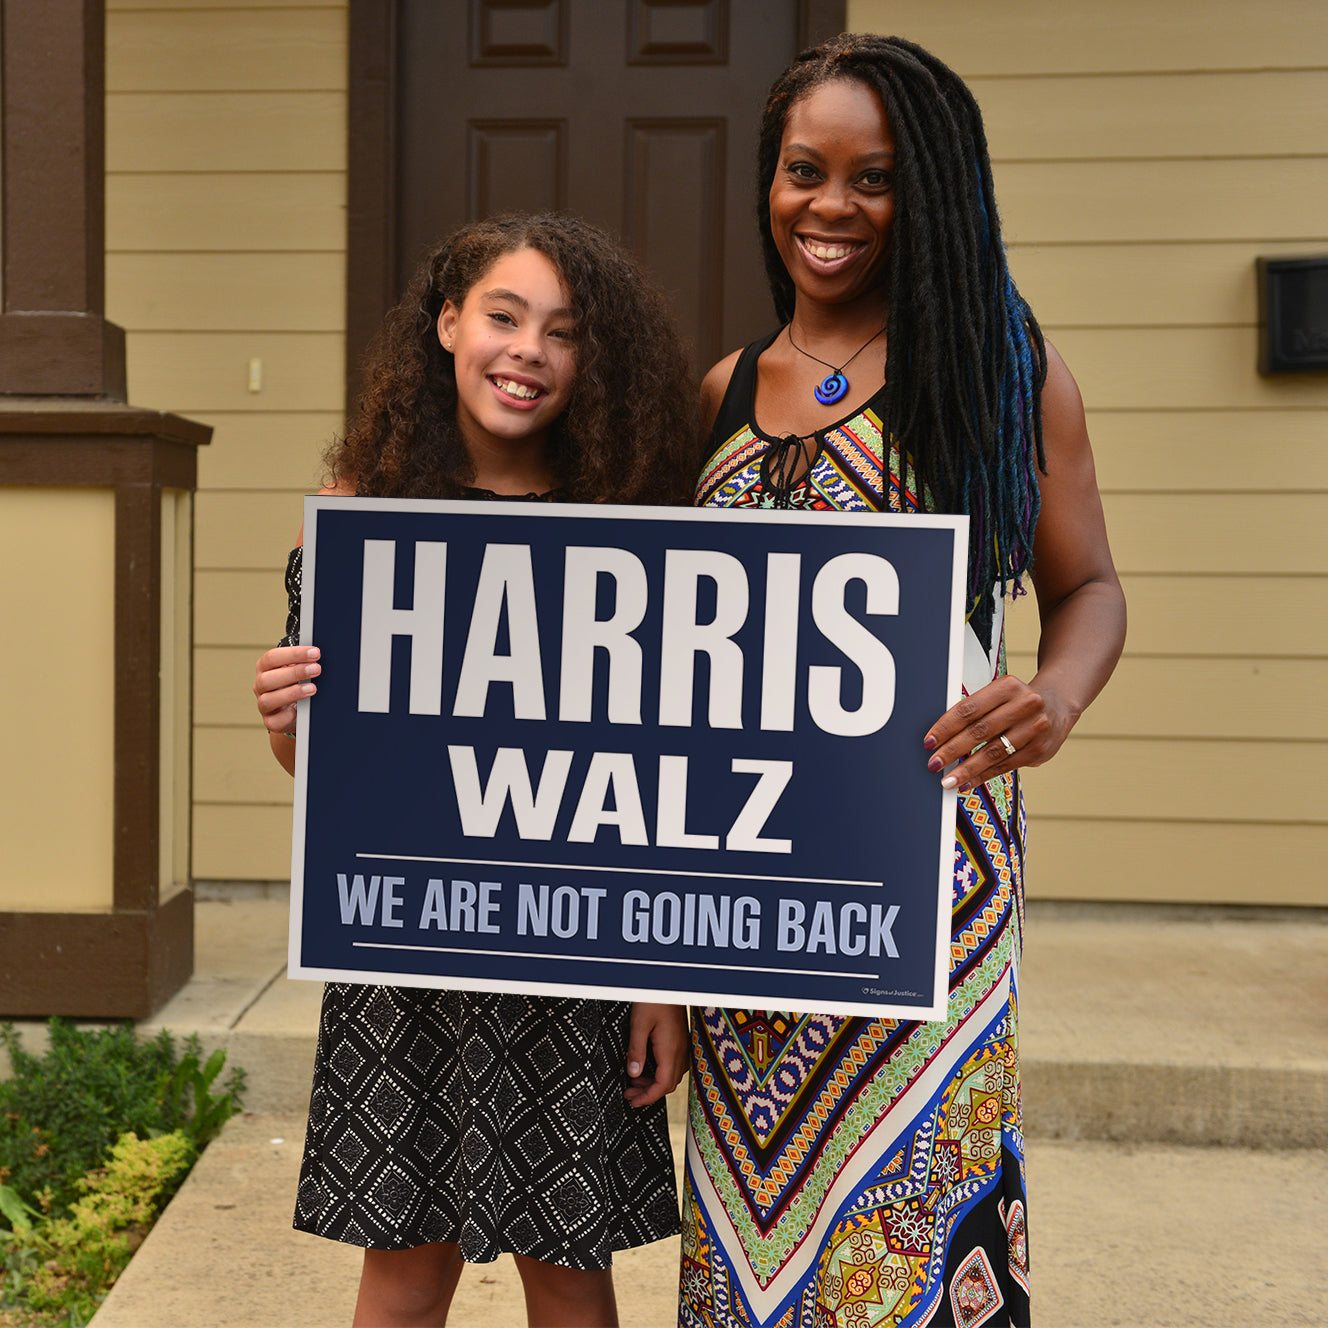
x: 965, y: 357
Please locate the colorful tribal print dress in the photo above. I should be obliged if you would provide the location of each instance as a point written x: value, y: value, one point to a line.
x: 858, y: 1173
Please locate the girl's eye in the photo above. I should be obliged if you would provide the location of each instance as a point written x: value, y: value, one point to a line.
x: 564, y: 333
x: 499, y: 317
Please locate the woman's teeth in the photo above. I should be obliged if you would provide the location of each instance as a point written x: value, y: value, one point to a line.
x: 518, y: 389
x: 828, y: 251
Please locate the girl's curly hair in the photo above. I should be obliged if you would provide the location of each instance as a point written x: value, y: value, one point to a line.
x: 629, y: 433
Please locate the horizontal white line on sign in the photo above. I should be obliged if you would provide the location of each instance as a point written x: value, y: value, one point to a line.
x: 630, y: 871
x: 603, y: 959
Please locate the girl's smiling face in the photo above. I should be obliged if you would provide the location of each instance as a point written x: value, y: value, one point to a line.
x: 513, y: 342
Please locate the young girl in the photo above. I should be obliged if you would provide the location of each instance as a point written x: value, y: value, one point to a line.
x: 528, y: 359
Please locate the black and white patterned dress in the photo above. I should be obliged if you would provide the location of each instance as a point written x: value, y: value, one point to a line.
x: 493, y: 1120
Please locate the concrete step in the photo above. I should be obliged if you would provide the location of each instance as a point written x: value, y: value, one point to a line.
x: 1137, y: 1023
x: 1144, y: 1024
x: 1176, y: 1025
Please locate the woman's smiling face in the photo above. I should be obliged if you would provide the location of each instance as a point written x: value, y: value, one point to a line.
x: 513, y: 341
x: 832, y: 200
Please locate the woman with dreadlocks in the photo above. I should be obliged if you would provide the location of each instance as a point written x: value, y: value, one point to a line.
x: 865, y: 1172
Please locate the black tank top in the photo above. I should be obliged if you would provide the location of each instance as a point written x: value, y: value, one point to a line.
x: 845, y: 471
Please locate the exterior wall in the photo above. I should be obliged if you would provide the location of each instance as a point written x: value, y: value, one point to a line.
x: 226, y: 149
x: 1144, y: 156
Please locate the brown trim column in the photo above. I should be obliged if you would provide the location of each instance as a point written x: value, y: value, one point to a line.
x: 371, y: 186
x: 54, y: 339
x: 819, y: 20
x: 137, y: 713
x: 124, y: 963
x: 63, y: 423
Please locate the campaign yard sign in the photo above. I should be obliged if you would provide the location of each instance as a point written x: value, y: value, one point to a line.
x: 637, y: 753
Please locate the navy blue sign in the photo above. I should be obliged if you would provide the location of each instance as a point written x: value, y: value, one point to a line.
x: 642, y: 753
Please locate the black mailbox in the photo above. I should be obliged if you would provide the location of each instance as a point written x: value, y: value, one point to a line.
x: 1293, y: 314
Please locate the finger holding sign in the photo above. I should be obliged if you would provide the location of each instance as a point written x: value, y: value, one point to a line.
x: 1001, y: 727
x: 282, y: 678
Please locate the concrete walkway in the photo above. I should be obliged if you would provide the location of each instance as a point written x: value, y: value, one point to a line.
x: 1147, y: 1236
x: 1176, y: 1094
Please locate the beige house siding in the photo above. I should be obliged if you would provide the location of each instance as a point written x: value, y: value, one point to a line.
x: 1145, y: 155
x: 225, y: 225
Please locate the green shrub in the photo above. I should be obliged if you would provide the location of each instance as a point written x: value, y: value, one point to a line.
x: 80, y: 1256
x: 20, y: 1252
x: 96, y: 1134
x: 62, y: 1111
x: 188, y: 1100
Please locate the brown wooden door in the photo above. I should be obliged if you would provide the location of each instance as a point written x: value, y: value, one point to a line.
x: 639, y: 115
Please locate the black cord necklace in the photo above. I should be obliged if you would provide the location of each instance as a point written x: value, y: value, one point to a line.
x: 834, y: 386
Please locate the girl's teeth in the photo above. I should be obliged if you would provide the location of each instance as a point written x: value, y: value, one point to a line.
x: 517, y: 389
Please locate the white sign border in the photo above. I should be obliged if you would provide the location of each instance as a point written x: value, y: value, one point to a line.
x: 958, y: 527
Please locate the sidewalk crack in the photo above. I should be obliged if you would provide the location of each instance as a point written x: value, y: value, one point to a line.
x: 257, y: 996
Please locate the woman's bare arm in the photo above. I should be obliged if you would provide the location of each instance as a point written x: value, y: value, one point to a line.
x: 1080, y: 604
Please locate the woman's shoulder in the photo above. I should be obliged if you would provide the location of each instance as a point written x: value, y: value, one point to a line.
x: 1060, y: 382
x: 715, y: 384
x: 1063, y: 424
x: 741, y: 362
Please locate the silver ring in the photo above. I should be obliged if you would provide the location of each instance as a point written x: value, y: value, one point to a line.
x: 1007, y: 744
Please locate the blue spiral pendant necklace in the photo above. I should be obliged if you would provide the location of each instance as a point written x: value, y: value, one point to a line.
x: 834, y: 386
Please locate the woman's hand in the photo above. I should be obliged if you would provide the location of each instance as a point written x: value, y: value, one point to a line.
x: 663, y: 1030
x: 282, y: 677
x: 1032, y: 722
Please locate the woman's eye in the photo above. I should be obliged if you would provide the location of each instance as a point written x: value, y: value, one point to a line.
x: 564, y: 333
x: 499, y: 317
x: 876, y: 179
x: 801, y: 170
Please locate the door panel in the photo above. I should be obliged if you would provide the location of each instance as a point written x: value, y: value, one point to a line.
x: 638, y: 114
x: 679, y: 233
x: 513, y: 166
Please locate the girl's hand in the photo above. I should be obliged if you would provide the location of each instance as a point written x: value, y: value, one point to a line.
x: 1032, y: 721
x: 281, y: 678
x: 663, y: 1030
